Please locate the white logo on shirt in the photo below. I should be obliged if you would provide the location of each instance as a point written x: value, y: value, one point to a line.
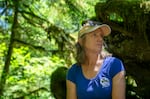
x: 104, y: 82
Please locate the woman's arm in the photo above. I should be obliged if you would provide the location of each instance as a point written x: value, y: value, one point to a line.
x: 119, y: 86
x: 71, y: 90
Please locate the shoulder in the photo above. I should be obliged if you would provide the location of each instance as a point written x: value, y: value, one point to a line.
x: 72, y: 72
x: 116, y: 65
x: 74, y: 68
x: 113, y: 59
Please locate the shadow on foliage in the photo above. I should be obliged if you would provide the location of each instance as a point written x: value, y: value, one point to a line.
x: 58, y: 83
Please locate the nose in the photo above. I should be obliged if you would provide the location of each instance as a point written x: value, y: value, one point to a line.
x: 99, y: 38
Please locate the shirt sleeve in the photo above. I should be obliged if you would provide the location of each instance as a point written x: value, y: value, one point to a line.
x: 71, y: 74
x: 116, y: 67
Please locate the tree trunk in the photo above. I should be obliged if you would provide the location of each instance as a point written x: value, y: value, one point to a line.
x: 130, y: 38
x: 10, y: 49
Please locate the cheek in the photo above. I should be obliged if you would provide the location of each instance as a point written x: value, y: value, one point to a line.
x: 89, y: 44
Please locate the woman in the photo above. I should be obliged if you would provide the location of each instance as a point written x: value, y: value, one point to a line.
x: 95, y: 76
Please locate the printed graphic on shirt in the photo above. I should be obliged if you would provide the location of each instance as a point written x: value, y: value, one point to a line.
x: 104, y: 82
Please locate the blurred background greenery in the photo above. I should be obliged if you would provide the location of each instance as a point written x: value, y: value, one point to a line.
x: 38, y: 36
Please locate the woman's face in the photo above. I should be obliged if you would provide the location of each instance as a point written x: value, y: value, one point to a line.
x: 93, y: 41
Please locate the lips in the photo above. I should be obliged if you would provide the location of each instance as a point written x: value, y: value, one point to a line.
x: 99, y: 44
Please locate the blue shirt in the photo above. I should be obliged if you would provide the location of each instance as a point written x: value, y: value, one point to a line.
x: 99, y: 87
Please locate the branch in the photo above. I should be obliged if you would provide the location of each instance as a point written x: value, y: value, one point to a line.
x: 32, y: 15
x: 29, y: 21
x: 31, y: 92
x: 120, y: 29
x: 34, y: 46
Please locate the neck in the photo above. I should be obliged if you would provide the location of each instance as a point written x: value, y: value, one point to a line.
x: 92, y: 59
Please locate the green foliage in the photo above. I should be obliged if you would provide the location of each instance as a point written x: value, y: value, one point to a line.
x: 2, y: 54
x: 131, y: 87
x: 3, y: 49
x: 30, y: 76
x: 42, y: 42
x: 116, y: 17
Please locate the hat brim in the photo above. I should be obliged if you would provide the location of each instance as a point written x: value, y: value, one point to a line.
x: 105, y: 28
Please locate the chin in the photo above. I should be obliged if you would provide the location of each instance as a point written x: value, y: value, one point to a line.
x: 98, y: 51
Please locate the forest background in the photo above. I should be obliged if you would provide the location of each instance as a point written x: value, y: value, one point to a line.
x: 38, y: 36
